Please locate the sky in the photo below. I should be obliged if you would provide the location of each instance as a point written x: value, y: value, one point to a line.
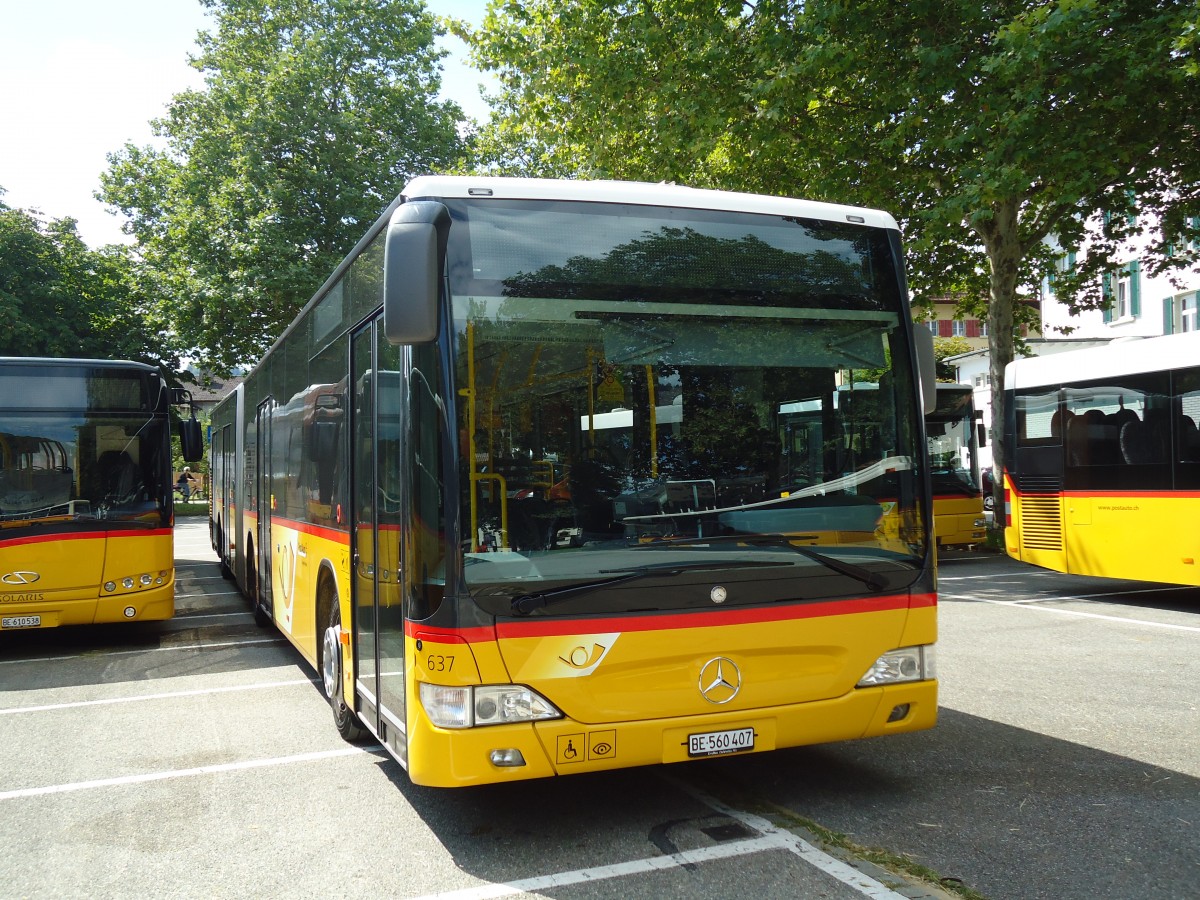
x: 80, y: 78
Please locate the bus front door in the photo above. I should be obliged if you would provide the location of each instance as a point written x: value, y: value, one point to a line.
x: 378, y: 539
x: 260, y: 585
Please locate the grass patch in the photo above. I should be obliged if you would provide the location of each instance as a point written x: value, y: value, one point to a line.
x: 898, y: 863
x: 903, y: 867
x: 191, y: 509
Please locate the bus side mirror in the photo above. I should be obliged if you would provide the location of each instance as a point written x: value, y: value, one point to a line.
x: 413, y: 250
x: 926, y: 366
x: 981, y: 430
x: 191, y: 440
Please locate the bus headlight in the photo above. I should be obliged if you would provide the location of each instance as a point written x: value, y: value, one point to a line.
x: 898, y: 666
x: 489, y: 704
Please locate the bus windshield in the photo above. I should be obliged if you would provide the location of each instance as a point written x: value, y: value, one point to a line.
x: 77, y: 448
x: 634, y: 379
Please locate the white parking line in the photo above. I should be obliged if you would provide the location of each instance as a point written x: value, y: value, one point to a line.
x: 138, y: 698
x: 217, y: 769
x: 616, y: 870
x: 843, y: 872
x: 772, y: 839
x: 218, y: 646
x: 1014, y: 579
x: 1029, y: 604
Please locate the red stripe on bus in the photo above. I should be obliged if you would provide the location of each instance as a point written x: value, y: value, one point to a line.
x: 320, y: 531
x: 670, y: 621
x: 84, y: 535
x: 1115, y: 495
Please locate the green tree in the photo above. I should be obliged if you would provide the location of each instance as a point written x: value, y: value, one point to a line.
x: 985, y: 127
x: 943, y: 349
x: 60, y: 298
x: 314, y: 114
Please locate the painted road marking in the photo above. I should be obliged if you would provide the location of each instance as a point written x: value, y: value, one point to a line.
x: 217, y: 769
x: 163, y: 696
x: 106, y: 653
x: 1029, y: 604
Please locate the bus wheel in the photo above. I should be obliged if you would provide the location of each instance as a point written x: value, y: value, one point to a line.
x: 262, y: 616
x: 347, y: 722
x: 226, y: 572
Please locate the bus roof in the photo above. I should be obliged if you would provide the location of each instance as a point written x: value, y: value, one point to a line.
x: 637, y: 192
x: 1124, y: 356
x: 74, y: 363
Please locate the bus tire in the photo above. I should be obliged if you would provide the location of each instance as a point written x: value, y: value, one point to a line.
x: 344, y: 718
x: 262, y: 615
x: 226, y: 571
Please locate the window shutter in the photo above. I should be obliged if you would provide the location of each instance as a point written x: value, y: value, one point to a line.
x: 1135, y: 299
x: 1168, y: 315
x: 972, y: 328
x: 1107, y: 293
x: 945, y: 328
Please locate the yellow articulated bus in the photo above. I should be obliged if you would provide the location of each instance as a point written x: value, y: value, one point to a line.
x: 85, y: 492
x: 1103, y: 475
x: 955, y: 434
x: 524, y: 483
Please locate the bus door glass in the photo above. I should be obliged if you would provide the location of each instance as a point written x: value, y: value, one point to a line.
x: 263, y: 503
x: 363, y: 515
x: 377, y: 508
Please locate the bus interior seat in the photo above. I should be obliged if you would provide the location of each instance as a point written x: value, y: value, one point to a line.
x: 1077, y: 441
x: 1189, y: 440
x: 1135, y: 443
x: 1103, y: 439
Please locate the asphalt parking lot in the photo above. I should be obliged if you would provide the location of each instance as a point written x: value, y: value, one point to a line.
x: 197, y: 757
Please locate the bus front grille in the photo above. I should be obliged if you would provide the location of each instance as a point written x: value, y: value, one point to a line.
x: 1041, y: 523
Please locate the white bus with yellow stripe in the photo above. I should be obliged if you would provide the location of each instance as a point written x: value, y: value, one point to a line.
x: 523, y: 481
x: 1103, y: 476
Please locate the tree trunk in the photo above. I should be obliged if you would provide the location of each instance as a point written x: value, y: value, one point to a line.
x: 1001, y: 240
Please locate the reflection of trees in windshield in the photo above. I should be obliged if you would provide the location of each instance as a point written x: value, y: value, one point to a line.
x: 698, y: 267
x: 651, y: 390
x: 110, y: 468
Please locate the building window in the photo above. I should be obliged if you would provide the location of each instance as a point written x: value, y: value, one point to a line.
x: 1122, y: 289
x: 1187, y: 312
x: 1121, y: 295
x: 958, y: 328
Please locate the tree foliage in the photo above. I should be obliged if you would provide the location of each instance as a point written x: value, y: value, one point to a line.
x: 60, y: 298
x: 314, y: 114
x: 985, y: 127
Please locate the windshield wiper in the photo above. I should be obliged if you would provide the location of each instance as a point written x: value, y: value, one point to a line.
x: 874, y: 580
x: 527, y: 603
